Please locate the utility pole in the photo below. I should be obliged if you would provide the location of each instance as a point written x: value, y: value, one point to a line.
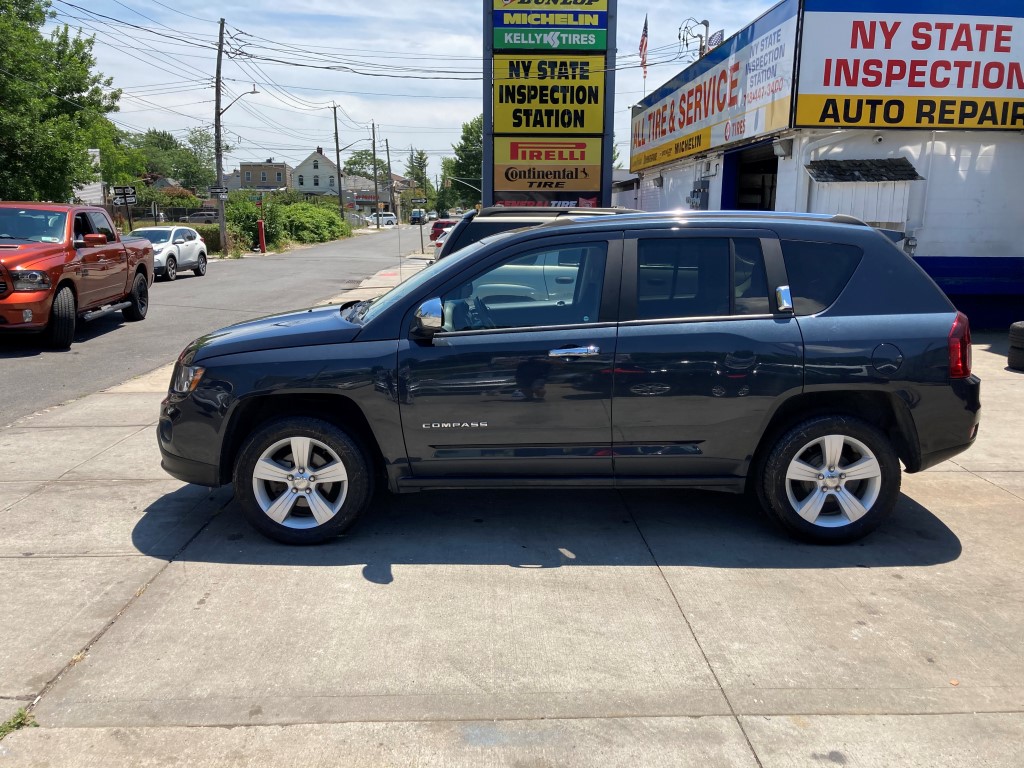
x: 337, y: 160
x: 217, y: 146
x: 391, y: 180
x: 376, y: 190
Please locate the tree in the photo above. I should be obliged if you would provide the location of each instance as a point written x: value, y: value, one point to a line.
x: 50, y: 100
x: 447, y: 197
x: 416, y: 169
x: 467, y: 178
x: 360, y: 163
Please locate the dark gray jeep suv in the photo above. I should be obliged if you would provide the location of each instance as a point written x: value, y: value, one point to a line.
x: 799, y: 358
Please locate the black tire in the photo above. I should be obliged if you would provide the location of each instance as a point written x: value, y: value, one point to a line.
x: 171, y: 269
x: 60, y: 331
x: 200, y: 269
x: 139, y: 297
x: 1015, y: 359
x: 1017, y: 335
x: 831, y: 524
x: 345, y: 500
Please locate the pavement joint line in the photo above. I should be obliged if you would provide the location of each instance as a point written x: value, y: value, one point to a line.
x: 996, y: 485
x: 693, y: 634
x: 100, y: 452
x: 84, y: 651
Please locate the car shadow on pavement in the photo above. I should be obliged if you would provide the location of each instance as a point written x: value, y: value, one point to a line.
x: 30, y: 344
x: 554, y: 529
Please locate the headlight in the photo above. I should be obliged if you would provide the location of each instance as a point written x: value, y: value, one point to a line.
x: 30, y: 280
x: 186, y: 378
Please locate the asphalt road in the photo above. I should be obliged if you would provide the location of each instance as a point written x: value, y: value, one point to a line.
x: 108, y: 350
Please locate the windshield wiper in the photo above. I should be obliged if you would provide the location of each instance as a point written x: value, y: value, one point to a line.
x: 355, y: 310
x: 12, y: 237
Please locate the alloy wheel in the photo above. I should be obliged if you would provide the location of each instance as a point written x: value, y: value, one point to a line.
x: 833, y: 481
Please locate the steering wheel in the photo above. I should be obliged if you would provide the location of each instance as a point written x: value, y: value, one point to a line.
x: 483, y: 314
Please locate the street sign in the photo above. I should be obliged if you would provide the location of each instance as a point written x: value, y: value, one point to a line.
x: 221, y: 196
x: 218, y: 190
x: 125, y: 200
x: 418, y: 200
x: 124, y: 191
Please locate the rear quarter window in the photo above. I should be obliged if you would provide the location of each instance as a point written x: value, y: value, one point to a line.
x: 818, y: 272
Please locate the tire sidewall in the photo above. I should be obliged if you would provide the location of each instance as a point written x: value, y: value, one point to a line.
x: 200, y: 269
x: 60, y: 331
x: 773, y: 480
x: 350, y: 451
x: 171, y: 269
x: 138, y: 310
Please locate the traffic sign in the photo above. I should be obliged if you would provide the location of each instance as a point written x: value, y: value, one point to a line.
x: 419, y: 200
x: 218, y: 190
x: 221, y: 196
x: 125, y: 200
x: 124, y: 191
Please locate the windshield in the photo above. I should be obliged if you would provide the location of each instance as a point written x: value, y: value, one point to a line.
x: 410, y: 286
x: 32, y: 225
x: 155, y: 236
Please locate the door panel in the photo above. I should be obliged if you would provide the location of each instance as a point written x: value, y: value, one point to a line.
x: 110, y: 262
x: 692, y: 398
x: 500, y: 403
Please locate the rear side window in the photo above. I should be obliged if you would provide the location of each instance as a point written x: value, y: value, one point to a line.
x: 818, y: 272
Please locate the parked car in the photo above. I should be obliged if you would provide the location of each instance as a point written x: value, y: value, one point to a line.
x: 439, y: 225
x: 418, y: 216
x: 476, y: 225
x: 202, y: 217
x: 442, y: 238
x: 175, y: 249
x: 63, y: 263
x: 387, y: 219
x: 431, y: 215
x: 797, y: 357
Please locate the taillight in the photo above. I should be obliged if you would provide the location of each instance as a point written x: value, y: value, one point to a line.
x: 202, y: 239
x: 960, y: 347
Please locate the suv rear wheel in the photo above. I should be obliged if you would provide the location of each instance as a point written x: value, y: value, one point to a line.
x: 301, y: 480
x: 831, y: 480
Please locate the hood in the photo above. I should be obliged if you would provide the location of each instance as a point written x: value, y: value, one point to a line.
x: 15, y: 255
x: 309, y: 327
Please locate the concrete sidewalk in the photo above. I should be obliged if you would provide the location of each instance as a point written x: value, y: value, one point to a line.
x: 530, y: 628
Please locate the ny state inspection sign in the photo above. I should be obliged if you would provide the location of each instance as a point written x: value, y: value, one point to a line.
x: 549, y: 94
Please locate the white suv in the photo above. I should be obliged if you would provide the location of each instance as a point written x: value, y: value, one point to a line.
x: 386, y: 219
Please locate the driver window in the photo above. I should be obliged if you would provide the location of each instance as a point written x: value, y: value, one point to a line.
x: 102, y: 226
x: 553, y: 286
x: 82, y: 226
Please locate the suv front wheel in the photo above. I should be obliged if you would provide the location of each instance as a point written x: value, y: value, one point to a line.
x: 831, y: 480
x: 302, y: 480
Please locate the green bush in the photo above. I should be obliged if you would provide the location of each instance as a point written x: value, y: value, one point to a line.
x: 308, y: 223
x: 211, y: 236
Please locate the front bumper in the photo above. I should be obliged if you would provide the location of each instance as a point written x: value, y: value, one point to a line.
x: 14, y: 305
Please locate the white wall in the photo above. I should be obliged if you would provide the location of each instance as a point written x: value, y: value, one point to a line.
x: 677, y: 180
x: 971, y: 202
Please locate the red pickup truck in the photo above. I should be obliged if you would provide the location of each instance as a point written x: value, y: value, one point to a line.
x: 62, y: 263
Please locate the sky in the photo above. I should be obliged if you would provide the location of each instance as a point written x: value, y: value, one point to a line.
x: 412, y: 68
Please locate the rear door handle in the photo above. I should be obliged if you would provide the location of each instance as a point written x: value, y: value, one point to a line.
x: 588, y: 351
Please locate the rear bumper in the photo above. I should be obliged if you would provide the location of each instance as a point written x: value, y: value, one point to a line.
x: 951, y: 423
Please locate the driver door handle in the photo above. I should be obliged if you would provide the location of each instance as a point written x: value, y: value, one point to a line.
x: 588, y: 351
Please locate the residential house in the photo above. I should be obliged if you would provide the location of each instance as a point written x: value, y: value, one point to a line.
x: 267, y: 175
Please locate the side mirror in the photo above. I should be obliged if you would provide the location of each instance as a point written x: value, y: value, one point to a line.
x: 179, y: 241
x: 94, y: 240
x: 428, y: 319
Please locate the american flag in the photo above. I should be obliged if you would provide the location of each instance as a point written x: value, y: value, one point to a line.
x: 643, y: 47
x: 716, y: 39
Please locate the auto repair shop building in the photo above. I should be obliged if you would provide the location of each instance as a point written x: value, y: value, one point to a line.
x: 908, y: 114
